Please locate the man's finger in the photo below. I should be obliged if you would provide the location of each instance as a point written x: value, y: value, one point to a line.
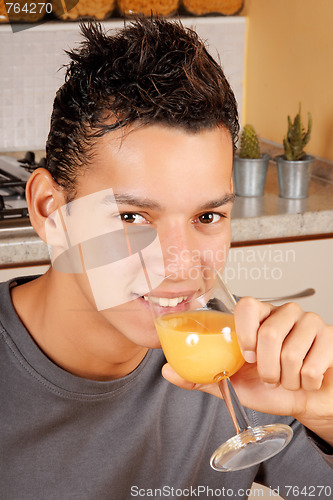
x: 249, y: 314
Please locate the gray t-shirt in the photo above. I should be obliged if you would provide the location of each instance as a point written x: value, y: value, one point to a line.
x: 67, y: 438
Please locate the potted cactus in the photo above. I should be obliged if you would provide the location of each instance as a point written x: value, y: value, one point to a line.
x: 250, y: 166
x: 294, y: 167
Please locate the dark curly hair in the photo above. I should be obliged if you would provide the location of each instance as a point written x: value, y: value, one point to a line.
x: 152, y: 71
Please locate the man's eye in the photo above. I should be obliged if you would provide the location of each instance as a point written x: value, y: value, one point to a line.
x: 210, y: 218
x: 133, y: 218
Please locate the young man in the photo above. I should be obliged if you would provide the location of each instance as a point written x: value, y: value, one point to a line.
x: 141, y: 142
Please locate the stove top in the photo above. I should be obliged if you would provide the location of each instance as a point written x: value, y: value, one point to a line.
x: 13, y: 177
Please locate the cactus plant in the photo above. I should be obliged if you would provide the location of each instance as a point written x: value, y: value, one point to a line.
x: 296, y: 138
x: 250, y: 166
x: 249, y: 143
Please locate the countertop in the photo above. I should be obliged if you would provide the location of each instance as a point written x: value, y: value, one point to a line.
x: 268, y: 217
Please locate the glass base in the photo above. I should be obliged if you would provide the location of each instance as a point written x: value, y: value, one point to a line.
x: 250, y: 447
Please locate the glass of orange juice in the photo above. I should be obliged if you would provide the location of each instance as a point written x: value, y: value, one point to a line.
x: 198, y: 337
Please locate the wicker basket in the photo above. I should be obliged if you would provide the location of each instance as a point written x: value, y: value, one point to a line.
x: 99, y: 9
x: 3, y: 13
x: 148, y: 7
x: 201, y: 7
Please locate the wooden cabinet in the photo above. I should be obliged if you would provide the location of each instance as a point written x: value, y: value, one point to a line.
x: 275, y: 270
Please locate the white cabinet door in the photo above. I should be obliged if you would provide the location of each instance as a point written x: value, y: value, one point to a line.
x: 7, y: 274
x: 276, y: 270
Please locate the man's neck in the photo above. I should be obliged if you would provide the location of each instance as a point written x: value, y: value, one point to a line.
x: 70, y: 332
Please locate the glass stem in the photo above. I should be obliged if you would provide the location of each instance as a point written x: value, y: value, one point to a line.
x: 240, y: 420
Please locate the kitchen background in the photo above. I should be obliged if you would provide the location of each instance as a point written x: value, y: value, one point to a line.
x: 30, y: 62
x: 289, y: 48
x: 289, y: 52
x: 276, y: 55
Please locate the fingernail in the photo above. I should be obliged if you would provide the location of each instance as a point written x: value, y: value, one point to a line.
x: 250, y: 356
x: 270, y: 386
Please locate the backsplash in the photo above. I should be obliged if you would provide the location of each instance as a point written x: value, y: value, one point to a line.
x: 30, y: 75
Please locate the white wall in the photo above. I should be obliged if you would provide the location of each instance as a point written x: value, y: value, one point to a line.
x: 29, y: 76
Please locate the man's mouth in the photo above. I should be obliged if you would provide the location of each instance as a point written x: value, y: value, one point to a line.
x: 165, y: 301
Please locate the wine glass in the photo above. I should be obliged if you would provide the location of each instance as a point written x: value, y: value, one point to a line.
x: 198, y: 337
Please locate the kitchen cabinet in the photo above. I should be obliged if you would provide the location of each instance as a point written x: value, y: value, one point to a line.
x: 282, y: 269
x: 9, y: 273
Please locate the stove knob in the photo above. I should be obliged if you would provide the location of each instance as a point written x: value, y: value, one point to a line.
x: 29, y: 158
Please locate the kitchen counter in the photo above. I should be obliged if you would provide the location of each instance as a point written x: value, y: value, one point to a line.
x: 253, y: 219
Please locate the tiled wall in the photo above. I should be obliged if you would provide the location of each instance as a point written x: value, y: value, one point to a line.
x: 30, y: 62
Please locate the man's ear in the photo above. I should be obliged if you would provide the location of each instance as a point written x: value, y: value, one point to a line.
x: 231, y: 184
x: 44, y: 196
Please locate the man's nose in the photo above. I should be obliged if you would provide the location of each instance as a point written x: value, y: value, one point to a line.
x: 180, y: 252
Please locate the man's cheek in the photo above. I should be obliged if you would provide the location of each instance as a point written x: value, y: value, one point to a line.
x: 111, y: 284
x: 216, y: 255
x: 89, y: 217
x: 123, y: 281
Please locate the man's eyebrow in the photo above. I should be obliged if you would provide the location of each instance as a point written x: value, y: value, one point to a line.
x: 128, y: 199
x: 219, y: 202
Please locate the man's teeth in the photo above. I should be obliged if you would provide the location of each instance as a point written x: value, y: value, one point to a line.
x: 165, y: 302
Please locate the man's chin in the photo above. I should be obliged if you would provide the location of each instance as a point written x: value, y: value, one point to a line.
x: 156, y: 345
x: 133, y: 320
x: 151, y: 341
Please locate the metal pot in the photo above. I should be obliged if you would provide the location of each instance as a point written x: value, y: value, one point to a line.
x: 250, y: 175
x: 294, y: 176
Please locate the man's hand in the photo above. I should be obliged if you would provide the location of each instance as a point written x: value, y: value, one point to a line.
x: 289, y: 368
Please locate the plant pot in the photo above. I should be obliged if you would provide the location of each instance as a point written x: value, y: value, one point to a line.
x: 250, y: 175
x: 294, y: 176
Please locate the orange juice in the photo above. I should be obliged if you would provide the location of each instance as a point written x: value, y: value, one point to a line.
x: 200, y: 345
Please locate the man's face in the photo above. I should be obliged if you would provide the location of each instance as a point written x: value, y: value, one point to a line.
x: 154, y: 178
